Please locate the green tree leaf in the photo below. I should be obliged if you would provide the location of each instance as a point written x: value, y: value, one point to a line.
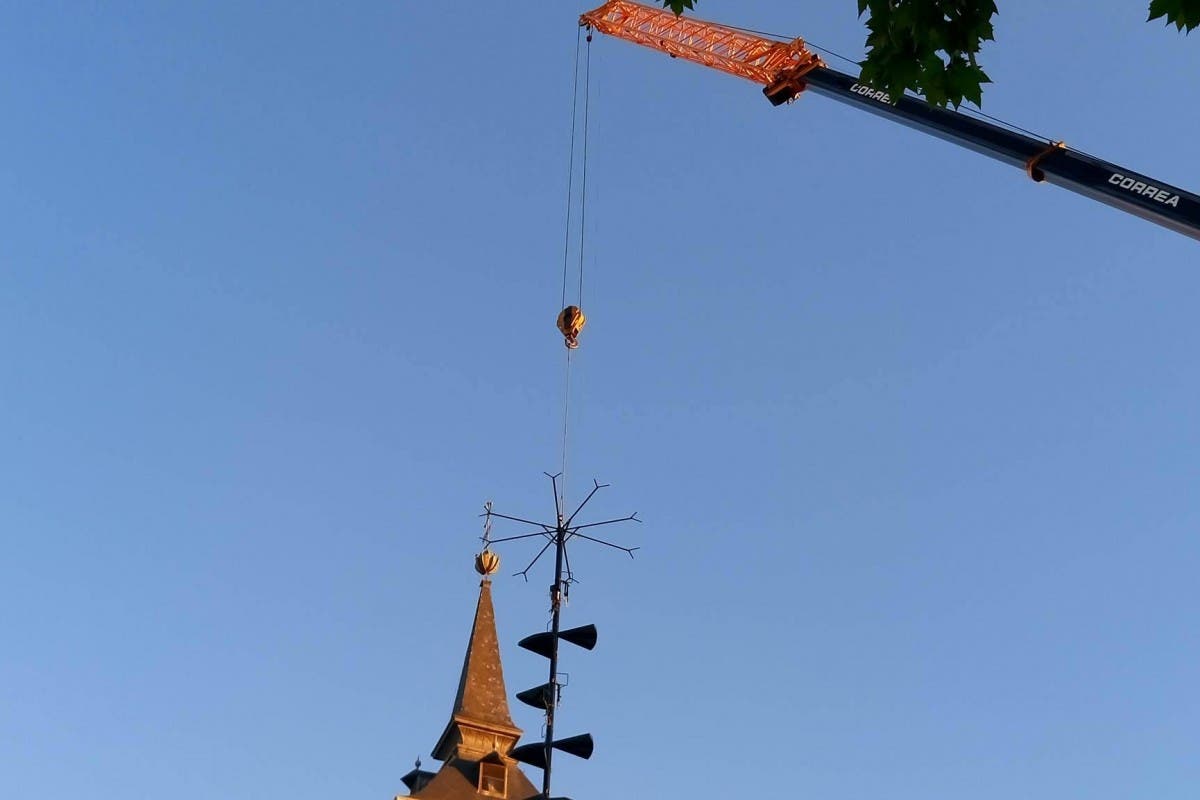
x: 1184, y: 14
x: 930, y: 47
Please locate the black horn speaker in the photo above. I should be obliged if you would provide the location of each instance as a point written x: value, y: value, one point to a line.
x: 532, y: 754
x: 581, y: 745
x: 583, y: 636
x: 540, y: 643
x: 538, y: 696
x: 543, y: 643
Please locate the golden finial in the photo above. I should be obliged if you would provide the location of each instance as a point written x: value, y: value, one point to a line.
x: 486, y: 563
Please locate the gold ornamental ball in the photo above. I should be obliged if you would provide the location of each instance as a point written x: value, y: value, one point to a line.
x: 487, y: 562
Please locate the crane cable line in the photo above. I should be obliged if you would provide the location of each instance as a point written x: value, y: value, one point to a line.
x: 571, y: 168
x: 587, y: 103
x: 571, y: 319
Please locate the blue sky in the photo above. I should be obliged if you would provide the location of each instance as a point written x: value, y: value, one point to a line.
x: 914, y: 439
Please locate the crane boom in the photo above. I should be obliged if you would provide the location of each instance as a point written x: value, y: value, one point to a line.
x: 785, y: 69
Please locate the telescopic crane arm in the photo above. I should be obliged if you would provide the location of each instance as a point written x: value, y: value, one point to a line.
x: 785, y: 69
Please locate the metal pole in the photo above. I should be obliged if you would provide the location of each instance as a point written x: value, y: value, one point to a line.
x: 555, y: 608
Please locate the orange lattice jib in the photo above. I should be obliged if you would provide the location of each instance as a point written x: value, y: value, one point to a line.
x: 746, y: 55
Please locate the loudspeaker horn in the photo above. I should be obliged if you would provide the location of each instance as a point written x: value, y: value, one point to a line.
x: 534, y: 754
x: 543, y: 643
x: 584, y: 636
x: 538, y: 696
x: 580, y: 746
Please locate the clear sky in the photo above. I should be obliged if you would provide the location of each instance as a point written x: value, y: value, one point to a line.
x: 915, y: 440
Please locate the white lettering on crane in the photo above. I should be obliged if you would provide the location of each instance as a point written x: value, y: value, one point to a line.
x: 1145, y: 189
x: 871, y: 94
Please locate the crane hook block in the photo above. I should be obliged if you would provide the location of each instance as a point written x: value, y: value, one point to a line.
x: 571, y: 321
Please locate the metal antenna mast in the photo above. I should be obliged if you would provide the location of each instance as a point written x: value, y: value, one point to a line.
x: 547, y: 695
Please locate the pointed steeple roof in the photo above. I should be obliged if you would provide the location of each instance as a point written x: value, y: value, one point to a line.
x: 482, y: 699
x: 481, y: 694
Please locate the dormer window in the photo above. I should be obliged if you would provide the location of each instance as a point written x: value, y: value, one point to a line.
x: 493, y: 780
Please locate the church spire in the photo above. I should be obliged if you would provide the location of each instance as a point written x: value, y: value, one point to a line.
x: 481, y: 692
x: 480, y: 721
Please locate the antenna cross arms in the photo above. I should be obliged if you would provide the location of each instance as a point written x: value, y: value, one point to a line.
x: 764, y: 61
